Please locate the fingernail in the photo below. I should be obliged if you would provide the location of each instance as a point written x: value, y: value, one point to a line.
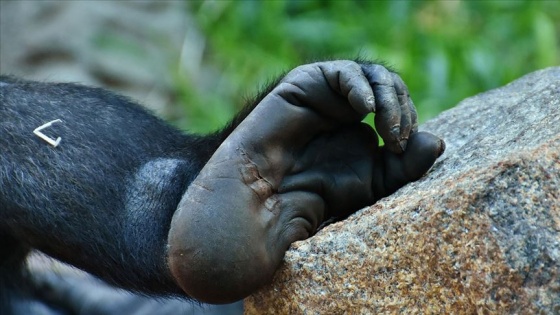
x: 371, y: 103
x: 403, y: 143
x: 396, y: 132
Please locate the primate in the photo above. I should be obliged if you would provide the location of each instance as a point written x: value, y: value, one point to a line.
x: 93, y: 179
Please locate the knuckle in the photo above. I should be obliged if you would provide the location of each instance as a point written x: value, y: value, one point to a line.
x: 378, y: 75
x: 337, y: 66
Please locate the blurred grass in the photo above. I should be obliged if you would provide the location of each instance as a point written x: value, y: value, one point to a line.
x: 444, y: 50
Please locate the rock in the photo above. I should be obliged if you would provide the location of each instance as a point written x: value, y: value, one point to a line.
x: 479, y: 234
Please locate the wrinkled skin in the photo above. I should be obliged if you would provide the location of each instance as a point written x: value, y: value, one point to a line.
x: 324, y: 163
x: 147, y: 208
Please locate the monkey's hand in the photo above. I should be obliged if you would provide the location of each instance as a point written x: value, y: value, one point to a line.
x: 300, y: 157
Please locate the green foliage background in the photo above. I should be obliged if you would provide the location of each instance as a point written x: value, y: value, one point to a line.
x: 444, y: 50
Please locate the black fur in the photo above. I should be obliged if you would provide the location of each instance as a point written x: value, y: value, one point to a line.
x: 130, y: 160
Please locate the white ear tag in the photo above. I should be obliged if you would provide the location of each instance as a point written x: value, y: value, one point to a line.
x: 41, y: 135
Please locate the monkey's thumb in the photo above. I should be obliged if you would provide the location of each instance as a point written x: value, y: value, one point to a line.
x: 422, y: 151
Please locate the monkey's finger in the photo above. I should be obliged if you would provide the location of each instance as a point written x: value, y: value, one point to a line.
x: 348, y: 79
x: 310, y: 99
x: 337, y: 90
x: 387, y: 105
x: 406, y: 115
x: 396, y: 170
x: 403, y: 89
x: 413, y: 116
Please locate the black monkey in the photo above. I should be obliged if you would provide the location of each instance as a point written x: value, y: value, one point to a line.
x: 150, y: 209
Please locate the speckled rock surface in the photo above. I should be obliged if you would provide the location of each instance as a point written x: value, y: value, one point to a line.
x: 479, y: 234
